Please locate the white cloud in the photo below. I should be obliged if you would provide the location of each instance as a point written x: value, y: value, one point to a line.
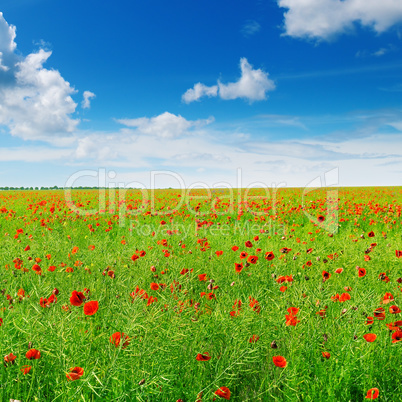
x: 253, y: 85
x: 35, y: 103
x: 198, y: 91
x: 250, y: 28
x: 86, y: 102
x: 165, y: 125
x: 322, y: 19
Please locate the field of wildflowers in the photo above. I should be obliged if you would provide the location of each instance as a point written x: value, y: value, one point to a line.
x: 201, y: 295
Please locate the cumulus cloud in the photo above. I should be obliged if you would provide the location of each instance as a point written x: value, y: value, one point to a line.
x: 86, y: 102
x: 253, y: 85
x: 198, y: 91
x: 35, y: 103
x: 165, y: 125
x: 322, y: 19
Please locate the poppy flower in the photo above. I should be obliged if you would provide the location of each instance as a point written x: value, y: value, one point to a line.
x: 379, y: 313
x: 223, y: 392
x: 77, y: 298
x: 33, y: 354
x: 238, y: 267
x: 9, y: 358
x: 285, y: 250
x: 344, y: 296
x: 387, y: 298
x: 202, y: 277
x: 134, y: 257
x: 154, y: 286
x: 371, y: 234
x: 75, y: 373
x: 339, y: 270
x: 218, y: 253
x: 117, y: 337
x: 320, y: 218
x: 248, y: 244
x: 394, y: 310
x: 37, y: 269
x: 372, y: 393
x: 327, y: 355
x: 370, y: 320
x: 398, y: 253
x: 293, y: 310
x: 203, y: 357
x: 243, y: 255
x: 361, y: 272
x: 252, y: 259
x: 283, y: 288
x: 370, y: 337
x: 74, y: 250
x: 269, y: 256
x: 397, y: 336
x: 279, y: 361
x: 25, y: 369
x: 325, y: 275
x: 235, y: 248
x: 91, y: 307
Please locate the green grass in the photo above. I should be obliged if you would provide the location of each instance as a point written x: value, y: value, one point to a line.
x: 159, y: 363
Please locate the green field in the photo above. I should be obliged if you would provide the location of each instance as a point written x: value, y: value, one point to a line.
x: 200, y: 291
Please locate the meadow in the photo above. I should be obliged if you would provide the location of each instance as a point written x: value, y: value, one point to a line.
x: 201, y: 295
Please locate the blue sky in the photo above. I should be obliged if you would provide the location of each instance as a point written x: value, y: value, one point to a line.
x: 157, y: 93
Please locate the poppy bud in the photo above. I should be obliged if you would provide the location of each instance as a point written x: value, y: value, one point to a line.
x: 274, y: 345
x: 55, y: 291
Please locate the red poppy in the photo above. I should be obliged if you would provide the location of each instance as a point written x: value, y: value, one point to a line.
x: 235, y: 248
x: 285, y: 250
x: 248, y: 244
x: 379, y: 313
x: 218, y: 253
x: 74, y: 250
x: 344, y: 296
x: 325, y: 275
x: 223, y: 392
x: 293, y: 310
x: 279, y: 361
x: 134, y: 257
x: 75, y: 373
x: 154, y: 286
x: 372, y: 393
x: 339, y: 270
x: 77, y: 298
x: 238, y: 267
x: 203, y: 357
x: 33, y: 354
x: 9, y: 358
x: 387, y: 298
x: 370, y: 337
x: 371, y: 234
x: 142, y: 253
x: 394, y: 310
x: 321, y: 218
x: 398, y: 253
x: 151, y: 300
x: 327, y: 355
x: 37, y: 269
x: 361, y: 272
x: 397, y: 336
x: 283, y: 288
x: 291, y: 320
x: 269, y: 256
x: 243, y: 255
x: 91, y: 307
x: 252, y: 259
x: 202, y: 277
x: 117, y: 337
x: 25, y: 369
x: 369, y: 321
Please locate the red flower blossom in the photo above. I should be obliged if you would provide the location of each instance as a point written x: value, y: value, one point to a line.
x: 269, y: 256
x: 325, y: 275
x: 91, y: 307
x: 33, y: 354
x: 235, y: 248
x: 218, y: 253
x: 252, y: 259
x: 202, y: 277
x: 154, y: 286
x: 248, y: 244
x: 75, y: 373
x: 77, y: 298
x: 243, y: 255
x: 361, y: 272
x: 372, y: 393
x: 10, y: 358
x: 371, y: 234
x: 369, y: 321
x: 370, y: 337
x: 320, y: 218
x: 223, y: 392
x: 379, y: 313
x: 394, y: 310
x: 279, y: 361
x: 238, y: 267
x: 254, y: 339
x: 397, y: 336
x: 25, y: 369
x: 398, y: 253
x: 117, y: 337
x: 203, y: 357
x: 339, y: 270
x: 327, y: 355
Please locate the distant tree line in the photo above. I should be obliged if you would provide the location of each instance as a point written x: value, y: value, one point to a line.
x: 47, y: 188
